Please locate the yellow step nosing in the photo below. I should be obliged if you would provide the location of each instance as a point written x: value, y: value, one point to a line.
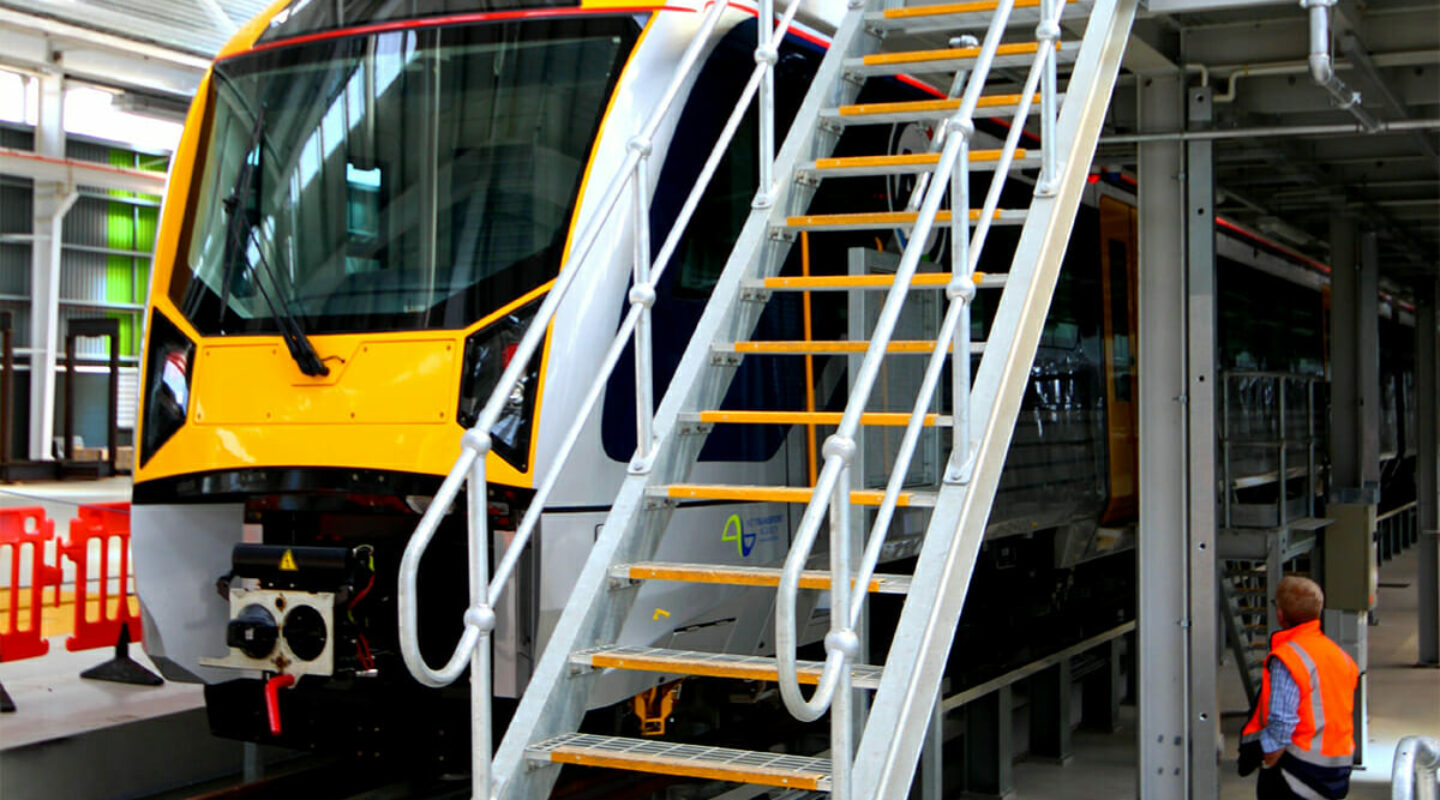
x: 876, y: 418
x: 663, y: 765
x: 807, y: 674
x: 905, y: 159
x: 810, y: 579
x: 946, y: 9
x: 773, y: 494
x: 834, y: 346
x: 947, y: 104
x: 930, y: 279
x: 947, y: 54
x: 878, y: 218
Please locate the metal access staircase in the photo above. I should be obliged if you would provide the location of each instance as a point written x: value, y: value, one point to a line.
x: 1021, y: 37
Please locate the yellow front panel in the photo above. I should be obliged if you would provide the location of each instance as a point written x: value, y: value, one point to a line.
x: 371, y: 382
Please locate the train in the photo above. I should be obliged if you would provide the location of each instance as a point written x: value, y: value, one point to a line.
x: 367, y: 205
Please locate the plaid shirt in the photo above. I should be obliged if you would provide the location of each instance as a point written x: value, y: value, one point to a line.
x: 1284, y: 709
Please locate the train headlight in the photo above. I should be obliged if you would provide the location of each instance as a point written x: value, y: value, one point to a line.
x: 168, y: 370
x: 487, y: 353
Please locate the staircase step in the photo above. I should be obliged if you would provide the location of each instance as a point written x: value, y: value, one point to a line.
x: 745, y: 576
x: 713, y: 665
x: 908, y: 163
x: 922, y: 280
x: 881, y: 220
x: 1016, y: 54
x: 1000, y: 105
x: 835, y: 347
x: 780, y: 494
x: 685, y: 760
x: 878, y: 419
x: 964, y: 16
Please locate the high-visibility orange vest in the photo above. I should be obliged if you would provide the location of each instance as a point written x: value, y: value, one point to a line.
x: 1326, y: 677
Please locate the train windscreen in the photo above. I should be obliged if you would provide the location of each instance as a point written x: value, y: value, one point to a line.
x: 408, y: 179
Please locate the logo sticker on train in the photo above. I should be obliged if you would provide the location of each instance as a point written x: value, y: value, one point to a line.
x: 746, y: 533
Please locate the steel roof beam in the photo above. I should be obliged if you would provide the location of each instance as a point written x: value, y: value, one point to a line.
x: 72, y: 172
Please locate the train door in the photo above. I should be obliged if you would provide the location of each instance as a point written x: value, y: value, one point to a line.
x: 1118, y: 251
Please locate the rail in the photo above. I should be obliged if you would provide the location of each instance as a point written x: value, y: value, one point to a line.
x: 1238, y: 432
x: 831, y: 492
x: 1412, y: 776
x: 469, y: 468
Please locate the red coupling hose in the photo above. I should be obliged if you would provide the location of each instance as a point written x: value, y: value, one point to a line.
x: 272, y: 699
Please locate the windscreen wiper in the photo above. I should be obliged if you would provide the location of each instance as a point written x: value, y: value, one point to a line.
x: 241, y: 238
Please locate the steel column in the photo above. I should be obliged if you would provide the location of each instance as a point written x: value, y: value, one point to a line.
x: 52, y: 200
x: 1201, y: 373
x: 1427, y: 486
x: 1163, y: 733
x: 1355, y: 435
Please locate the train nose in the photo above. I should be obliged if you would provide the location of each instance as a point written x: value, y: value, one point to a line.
x: 253, y: 631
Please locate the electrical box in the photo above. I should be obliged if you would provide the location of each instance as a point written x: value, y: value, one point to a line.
x: 1350, y: 568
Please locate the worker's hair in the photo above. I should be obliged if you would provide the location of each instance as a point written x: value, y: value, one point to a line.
x: 1300, y: 598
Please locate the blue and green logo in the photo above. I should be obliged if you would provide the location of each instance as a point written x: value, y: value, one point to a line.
x: 735, y: 532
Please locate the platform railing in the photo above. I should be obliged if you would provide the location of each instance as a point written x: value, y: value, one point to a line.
x: 470, y: 467
x: 1237, y: 434
x: 832, y: 490
x: 1413, y: 773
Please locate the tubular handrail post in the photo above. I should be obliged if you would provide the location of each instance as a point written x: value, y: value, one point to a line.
x: 766, y: 54
x: 961, y: 288
x: 481, y: 618
x: 842, y: 637
x: 642, y: 293
x: 1047, y: 33
x: 1412, y: 775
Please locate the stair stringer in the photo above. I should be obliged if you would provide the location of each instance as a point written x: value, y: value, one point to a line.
x: 557, y: 694
x: 890, y: 746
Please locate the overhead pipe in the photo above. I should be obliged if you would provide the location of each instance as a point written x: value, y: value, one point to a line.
x: 1322, y: 67
x: 1333, y: 129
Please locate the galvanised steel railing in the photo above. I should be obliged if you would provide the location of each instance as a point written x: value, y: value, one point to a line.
x: 832, y: 489
x: 469, y: 468
x: 1412, y: 776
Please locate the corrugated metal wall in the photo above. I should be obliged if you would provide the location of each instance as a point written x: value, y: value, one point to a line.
x: 104, y: 265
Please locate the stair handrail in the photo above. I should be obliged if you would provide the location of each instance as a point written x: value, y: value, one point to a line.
x: 841, y: 642
x: 956, y: 324
x: 1412, y: 775
x: 470, y: 466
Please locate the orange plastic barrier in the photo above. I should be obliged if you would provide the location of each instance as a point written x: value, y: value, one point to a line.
x: 24, y: 533
x: 102, y: 523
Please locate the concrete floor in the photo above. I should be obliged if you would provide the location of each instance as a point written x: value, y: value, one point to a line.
x: 1404, y: 700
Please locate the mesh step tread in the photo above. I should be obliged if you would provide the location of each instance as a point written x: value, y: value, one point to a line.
x: 877, y: 419
x: 947, y: 9
x: 877, y: 281
x: 713, y: 665
x: 745, y: 576
x: 835, y: 347
x: 950, y: 58
x: 890, y: 219
x: 780, y: 494
x: 910, y: 163
x: 920, y: 110
x: 685, y: 760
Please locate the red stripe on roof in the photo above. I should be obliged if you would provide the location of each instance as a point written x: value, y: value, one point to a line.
x: 1255, y: 237
x: 451, y: 19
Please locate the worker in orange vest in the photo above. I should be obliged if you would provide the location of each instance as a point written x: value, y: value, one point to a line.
x: 1301, y: 733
